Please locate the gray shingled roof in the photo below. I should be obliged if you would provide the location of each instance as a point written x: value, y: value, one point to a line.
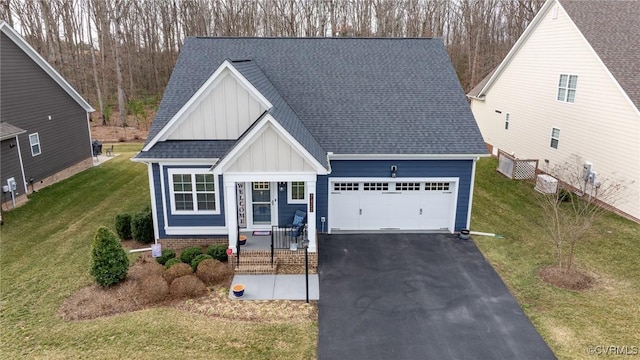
x: 352, y: 95
x: 8, y: 131
x: 281, y: 110
x: 188, y: 149
x: 613, y: 30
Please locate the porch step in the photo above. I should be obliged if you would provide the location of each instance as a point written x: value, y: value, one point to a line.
x: 256, y: 264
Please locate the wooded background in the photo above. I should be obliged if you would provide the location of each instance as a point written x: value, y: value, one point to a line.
x: 119, y: 54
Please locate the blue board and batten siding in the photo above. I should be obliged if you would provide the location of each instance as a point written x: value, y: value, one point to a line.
x: 186, y: 220
x: 286, y: 210
x: 461, y: 169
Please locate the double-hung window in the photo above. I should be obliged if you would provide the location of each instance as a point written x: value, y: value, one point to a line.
x: 193, y: 191
x: 555, y: 137
x: 34, y: 142
x: 296, y: 192
x: 567, y: 88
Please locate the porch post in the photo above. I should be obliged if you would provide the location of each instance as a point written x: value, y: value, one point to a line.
x: 310, y: 189
x: 231, y: 212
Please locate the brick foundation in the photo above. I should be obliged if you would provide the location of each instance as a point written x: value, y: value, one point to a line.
x: 177, y: 244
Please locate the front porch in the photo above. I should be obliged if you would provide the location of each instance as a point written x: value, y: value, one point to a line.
x: 261, y: 203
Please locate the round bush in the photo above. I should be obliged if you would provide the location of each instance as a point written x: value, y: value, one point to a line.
x: 198, y: 259
x: 212, y: 272
x: 189, y: 254
x: 172, y: 262
x: 123, y: 226
x: 177, y: 271
x: 167, y: 254
x: 153, y: 288
x: 109, y: 262
x: 218, y: 252
x: 142, y: 227
x: 188, y: 285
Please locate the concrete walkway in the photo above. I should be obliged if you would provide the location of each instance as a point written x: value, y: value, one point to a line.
x: 276, y: 287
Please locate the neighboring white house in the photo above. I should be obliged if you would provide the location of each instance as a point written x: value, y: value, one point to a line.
x: 571, y: 86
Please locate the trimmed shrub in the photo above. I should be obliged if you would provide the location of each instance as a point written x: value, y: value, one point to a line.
x: 172, y: 262
x: 218, y: 252
x: 167, y: 255
x: 153, y: 288
x: 109, y: 262
x: 177, y: 271
x: 142, y: 227
x: 187, y: 286
x: 212, y: 272
x: 123, y: 226
x: 197, y: 259
x: 144, y: 268
x: 187, y: 255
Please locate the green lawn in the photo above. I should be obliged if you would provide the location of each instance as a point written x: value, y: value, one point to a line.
x: 571, y: 322
x: 44, y: 257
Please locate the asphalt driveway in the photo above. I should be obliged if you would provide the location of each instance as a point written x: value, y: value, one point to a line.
x: 417, y: 296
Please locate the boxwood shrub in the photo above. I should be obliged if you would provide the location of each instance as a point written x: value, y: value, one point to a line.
x: 189, y: 254
x: 123, y: 226
x: 218, y: 252
x: 142, y: 227
x: 198, y: 259
x: 109, y: 262
x: 172, y: 262
x: 167, y: 254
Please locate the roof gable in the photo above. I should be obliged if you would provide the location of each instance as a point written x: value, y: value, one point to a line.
x: 267, y: 147
x: 190, y: 123
x: 612, y: 28
x: 609, y: 28
x: 38, y: 59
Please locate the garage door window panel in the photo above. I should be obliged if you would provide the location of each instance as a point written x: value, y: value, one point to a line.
x: 407, y: 186
x: 376, y: 186
x: 346, y: 186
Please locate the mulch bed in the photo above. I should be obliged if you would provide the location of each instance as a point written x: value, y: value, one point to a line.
x: 571, y: 280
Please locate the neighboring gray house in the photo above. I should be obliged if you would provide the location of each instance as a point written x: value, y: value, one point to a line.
x: 44, y: 122
x: 361, y: 134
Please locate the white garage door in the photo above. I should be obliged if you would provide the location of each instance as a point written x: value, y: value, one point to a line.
x: 400, y: 204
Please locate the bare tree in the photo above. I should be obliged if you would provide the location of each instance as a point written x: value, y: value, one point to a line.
x: 568, y: 214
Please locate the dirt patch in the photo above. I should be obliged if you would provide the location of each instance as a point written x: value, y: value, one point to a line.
x: 571, y: 280
x: 114, y: 134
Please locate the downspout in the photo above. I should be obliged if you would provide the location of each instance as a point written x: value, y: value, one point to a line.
x: 471, y: 188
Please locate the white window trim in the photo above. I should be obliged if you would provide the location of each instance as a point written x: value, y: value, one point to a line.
x: 567, y: 88
x: 192, y: 171
x: 555, y: 138
x: 31, y: 144
x: 290, y: 200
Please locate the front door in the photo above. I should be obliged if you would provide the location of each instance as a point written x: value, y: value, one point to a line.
x: 263, y: 204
